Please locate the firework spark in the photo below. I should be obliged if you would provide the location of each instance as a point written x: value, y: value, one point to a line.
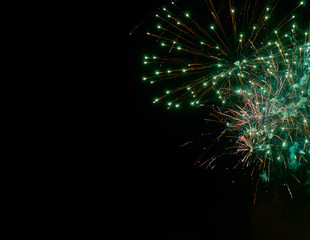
x: 259, y: 71
x: 198, y: 60
x: 270, y: 120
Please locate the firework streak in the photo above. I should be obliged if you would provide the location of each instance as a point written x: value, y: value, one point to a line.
x: 258, y: 69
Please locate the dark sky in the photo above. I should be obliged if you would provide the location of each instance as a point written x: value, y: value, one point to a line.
x: 171, y: 198
x: 45, y: 183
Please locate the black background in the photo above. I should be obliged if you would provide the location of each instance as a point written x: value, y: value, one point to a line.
x: 165, y: 195
x: 51, y: 100
x: 45, y: 182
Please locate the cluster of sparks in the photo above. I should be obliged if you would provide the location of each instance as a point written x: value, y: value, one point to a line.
x: 259, y: 71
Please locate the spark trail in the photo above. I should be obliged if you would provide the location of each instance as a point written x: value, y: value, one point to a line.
x: 256, y: 65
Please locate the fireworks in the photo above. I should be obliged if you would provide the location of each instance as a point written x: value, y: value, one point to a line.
x: 271, y: 121
x: 257, y: 66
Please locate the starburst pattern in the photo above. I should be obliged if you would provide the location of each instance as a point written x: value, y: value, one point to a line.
x: 258, y: 68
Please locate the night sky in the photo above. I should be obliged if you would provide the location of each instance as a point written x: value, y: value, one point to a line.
x: 166, y: 195
x: 45, y: 182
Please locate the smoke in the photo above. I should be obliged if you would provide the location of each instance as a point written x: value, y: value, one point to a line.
x: 293, y: 163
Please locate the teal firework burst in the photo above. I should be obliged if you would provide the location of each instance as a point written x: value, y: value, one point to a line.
x: 257, y: 65
x: 270, y: 116
x: 197, y: 60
